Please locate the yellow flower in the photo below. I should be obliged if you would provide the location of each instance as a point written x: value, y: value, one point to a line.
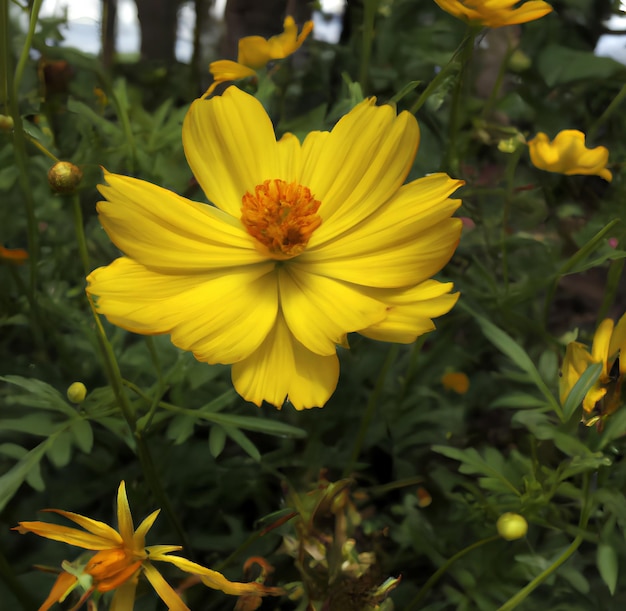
x: 255, y: 52
x: 608, y: 348
x: 567, y: 154
x: 121, y: 556
x: 495, y: 13
x: 306, y: 243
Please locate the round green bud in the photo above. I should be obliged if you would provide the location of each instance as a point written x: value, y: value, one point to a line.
x: 77, y: 392
x: 512, y: 526
x: 64, y: 177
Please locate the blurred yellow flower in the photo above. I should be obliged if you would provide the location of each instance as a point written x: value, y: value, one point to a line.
x: 456, y: 381
x: 121, y: 556
x: 567, y: 154
x: 304, y: 244
x: 608, y: 348
x: 495, y: 13
x: 255, y: 52
x: 16, y: 256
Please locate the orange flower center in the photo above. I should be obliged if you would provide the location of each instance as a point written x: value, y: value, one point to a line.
x: 282, y: 216
x: 110, y: 568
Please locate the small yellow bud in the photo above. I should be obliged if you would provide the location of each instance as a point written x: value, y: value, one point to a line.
x: 77, y: 392
x: 64, y: 177
x: 6, y: 123
x: 512, y: 526
x: 519, y: 61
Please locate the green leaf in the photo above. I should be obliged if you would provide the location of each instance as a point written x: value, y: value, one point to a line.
x: 259, y: 425
x: 83, y: 434
x: 608, y: 565
x: 217, y: 440
x: 39, y: 394
x: 243, y: 442
x: 580, y: 389
x: 11, y: 481
x: 559, y: 65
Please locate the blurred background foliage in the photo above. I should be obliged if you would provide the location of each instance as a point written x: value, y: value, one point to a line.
x: 539, y: 264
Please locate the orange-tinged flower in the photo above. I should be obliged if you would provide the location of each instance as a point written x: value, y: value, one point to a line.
x: 255, y: 52
x: 608, y: 348
x: 456, y: 381
x: 567, y: 154
x: 305, y: 244
x: 495, y: 13
x: 121, y: 557
x: 16, y: 256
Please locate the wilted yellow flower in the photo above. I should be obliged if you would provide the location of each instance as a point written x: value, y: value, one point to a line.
x: 306, y: 243
x: 456, y: 381
x: 495, y: 13
x: 255, y: 52
x: 608, y: 348
x: 567, y: 154
x: 121, y: 557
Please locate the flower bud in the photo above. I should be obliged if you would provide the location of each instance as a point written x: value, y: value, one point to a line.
x: 64, y: 177
x: 6, y: 123
x: 77, y: 392
x: 512, y: 526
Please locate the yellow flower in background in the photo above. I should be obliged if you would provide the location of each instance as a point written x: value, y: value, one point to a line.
x: 495, y: 13
x: 16, y: 256
x: 305, y: 244
x: 455, y: 381
x: 567, y: 154
x: 121, y: 557
x: 255, y: 52
x: 608, y: 348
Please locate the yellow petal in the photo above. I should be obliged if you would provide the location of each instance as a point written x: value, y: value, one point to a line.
x: 104, y: 536
x: 290, y: 157
x: 63, y: 583
x: 155, y: 552
x: 225, y: 70
x: 320, y: 311
x: 217, y: 581
x: 164, y: 589
x: 282, y: 367
x: 139, y: 538
x: 124, y: 517
x: 384, y: 264
x: 618, y: 343
x: 124, y: 597
x: 230, y: 146
x: 410, y: 312
x: 359, y: 166
x: 495, y: 13
x: 600, y: 346
x: 167, y: 232
x: 221, y: 318
x: 575, y: 363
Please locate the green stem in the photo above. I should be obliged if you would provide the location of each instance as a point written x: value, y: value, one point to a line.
x: 5, y: 54
x: 369, y: 16
x: 493, y: 96
x: 28, y: 43
x: 392, y: 354
x: 585, y: 511
x: 434, y: 578
x: 115, y: 379
x: 610, y: 109
x: 506, y: 211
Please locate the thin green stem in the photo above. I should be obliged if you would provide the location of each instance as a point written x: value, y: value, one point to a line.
x: 28, y: 43
x: 506, y: 211
x: 5, y: 55
x: 80, y: 234
x: 585, y: 512
x: 493, y: 96
x: 610, y: 109
x: 436, y: 576
x: 392, y: 354
x: 369, y: 17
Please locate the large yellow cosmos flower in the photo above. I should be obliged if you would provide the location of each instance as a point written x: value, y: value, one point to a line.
x: 608, y: 348
x: 306, y: 243
x: 121, y: 556
x: 255, y: 52
x: 495, y: 13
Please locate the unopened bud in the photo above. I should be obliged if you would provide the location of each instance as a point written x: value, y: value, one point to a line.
x: 6, y: 123
x: 512, y: 526
x: 77, y: 392
x: 64, y: 177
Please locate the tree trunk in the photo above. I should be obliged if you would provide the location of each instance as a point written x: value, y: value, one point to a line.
x: 158, y: 21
